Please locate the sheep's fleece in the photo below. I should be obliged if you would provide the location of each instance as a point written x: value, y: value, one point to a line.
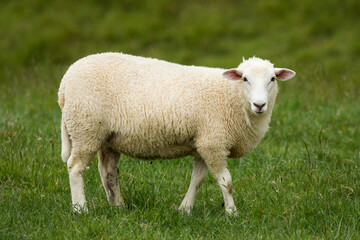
x: 114, y: 104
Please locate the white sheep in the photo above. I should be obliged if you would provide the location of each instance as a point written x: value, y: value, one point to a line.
x: 149, y: 109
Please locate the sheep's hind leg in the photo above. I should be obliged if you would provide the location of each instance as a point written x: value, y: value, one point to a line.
x: 197, y: 178
x: 77, y: 164
x: 108, y: 169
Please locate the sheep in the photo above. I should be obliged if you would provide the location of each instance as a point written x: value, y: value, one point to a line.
x: 114, y: 103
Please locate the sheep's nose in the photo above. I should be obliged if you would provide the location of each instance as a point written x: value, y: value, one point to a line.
x: 259, y: 106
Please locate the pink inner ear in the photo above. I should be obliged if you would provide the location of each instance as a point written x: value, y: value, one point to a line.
x: 284, y: 74
x: 232, y: 75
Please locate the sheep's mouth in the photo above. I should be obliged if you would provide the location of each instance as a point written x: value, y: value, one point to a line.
x: 259, y: 111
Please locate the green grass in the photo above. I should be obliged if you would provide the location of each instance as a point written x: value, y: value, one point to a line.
x: 301, y: 182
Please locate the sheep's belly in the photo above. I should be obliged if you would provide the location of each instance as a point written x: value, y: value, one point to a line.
x: 147, y: 149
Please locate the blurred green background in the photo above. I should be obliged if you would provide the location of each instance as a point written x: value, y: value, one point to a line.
x: 316, y: 37
x: 305, y: 33
x: 310, y: 156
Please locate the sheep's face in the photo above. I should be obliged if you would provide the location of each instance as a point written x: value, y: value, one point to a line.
x: 259, y: 82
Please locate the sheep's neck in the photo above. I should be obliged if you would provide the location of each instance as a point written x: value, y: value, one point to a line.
x: 248, y: 124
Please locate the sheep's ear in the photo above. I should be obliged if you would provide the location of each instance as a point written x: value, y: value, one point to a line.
x: 284, y: 74
x: 232, y: 74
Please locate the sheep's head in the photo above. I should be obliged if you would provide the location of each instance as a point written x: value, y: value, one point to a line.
x: 259, y: 79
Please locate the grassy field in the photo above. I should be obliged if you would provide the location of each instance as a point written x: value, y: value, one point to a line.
x: 301, y: 182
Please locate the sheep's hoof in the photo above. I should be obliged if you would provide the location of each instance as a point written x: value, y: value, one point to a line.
x: 231, y: 212
x: 79, y: 209
x: 118, y: 203
x: 185, y: 209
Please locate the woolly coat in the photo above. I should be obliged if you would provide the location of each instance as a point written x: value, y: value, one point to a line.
x: 148, y: 108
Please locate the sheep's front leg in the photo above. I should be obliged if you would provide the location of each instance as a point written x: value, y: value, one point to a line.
x: 223, y: 178
x: 108, y: 169
x: 215, y: 159
x: 197, y: 178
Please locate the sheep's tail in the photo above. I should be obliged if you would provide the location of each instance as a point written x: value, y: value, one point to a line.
x: 65, y: 142
x: 65, y: 137
x: 61, y: 95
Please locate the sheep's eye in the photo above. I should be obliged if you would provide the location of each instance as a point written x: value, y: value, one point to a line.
x: 245, y: 79
x: 273, y: 79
